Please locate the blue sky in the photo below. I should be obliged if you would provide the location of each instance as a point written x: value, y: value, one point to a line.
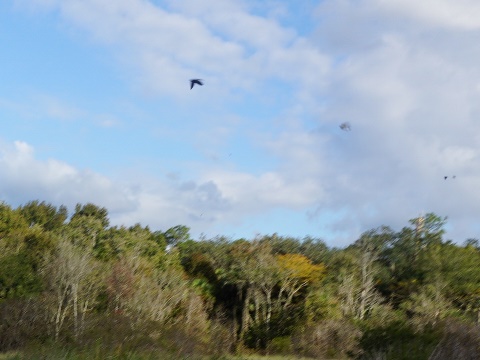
x: 96, y: 107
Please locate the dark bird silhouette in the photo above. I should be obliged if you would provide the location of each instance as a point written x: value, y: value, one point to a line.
x: 445, y: 177
x: 195, y: 81
x: 345, y: 126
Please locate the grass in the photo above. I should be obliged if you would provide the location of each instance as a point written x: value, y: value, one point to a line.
x: 266, y: 357
x: 58, y: 354
x: 11, y: 355
x: 55, y: 354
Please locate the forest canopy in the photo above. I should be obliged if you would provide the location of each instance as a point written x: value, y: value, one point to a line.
x: 75, y: 280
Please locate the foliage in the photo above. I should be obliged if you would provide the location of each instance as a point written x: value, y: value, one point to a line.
x: 459, y: 341
x: 398, y: 340
x: 47, y: 216
x: 17, y: 277
x: 329, y: 339
x: 85, y: 287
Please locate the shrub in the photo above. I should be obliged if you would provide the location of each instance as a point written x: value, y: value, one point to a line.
x: 330, y: 338
x: 398, y: 340
x: 21, y: 323
x: 280, y: 345
x: 460, y: 341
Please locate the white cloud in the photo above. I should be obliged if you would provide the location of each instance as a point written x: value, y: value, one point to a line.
x: 224, y: 43
x: 458, y: 14
x: 410, y: 91
x: 220, y: 197
x: 24, y: 178
x: 233, y: 20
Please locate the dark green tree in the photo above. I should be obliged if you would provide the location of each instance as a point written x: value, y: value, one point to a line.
x: 87, y: 226
x: 177, y: 234
x: 43, y: 214
x: 11, y: 221
x: 406, y: 254
x: 91, y: 211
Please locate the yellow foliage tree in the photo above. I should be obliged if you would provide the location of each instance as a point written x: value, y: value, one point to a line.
x: 296, y: 272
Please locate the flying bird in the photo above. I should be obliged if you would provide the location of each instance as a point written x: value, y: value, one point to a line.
x: 345, y: 126
x: 195, y: 81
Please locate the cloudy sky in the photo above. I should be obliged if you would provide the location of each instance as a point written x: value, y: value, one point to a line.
x: 95, y: 106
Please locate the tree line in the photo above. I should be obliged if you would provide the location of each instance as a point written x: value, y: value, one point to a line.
x: 77, y: 281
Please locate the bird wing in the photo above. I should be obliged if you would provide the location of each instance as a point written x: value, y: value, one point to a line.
x: 195, y: 81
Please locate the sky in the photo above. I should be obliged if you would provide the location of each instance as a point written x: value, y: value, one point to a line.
x: 96, y: 106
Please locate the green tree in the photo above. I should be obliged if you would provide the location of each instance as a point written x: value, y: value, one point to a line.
x: 11, y: 221
x: 177, y: 234
x: 21, y: 253
x: 91, y: 211
x: 114, y: 242
x: 405, y: 256
x: 17, y: 276
x: 43, y: 214
x: 428, y: 306
x: 457, y: 267
x: 87, y: 226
